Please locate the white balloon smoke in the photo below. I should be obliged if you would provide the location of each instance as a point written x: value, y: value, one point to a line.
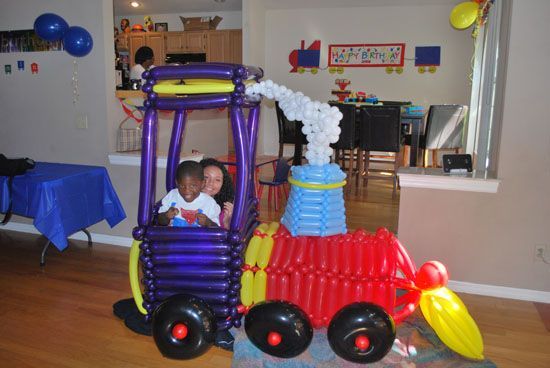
x: 320, y: 119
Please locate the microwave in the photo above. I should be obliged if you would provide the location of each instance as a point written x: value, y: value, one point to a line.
x: 184, y: 58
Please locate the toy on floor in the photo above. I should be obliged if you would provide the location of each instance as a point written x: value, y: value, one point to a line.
x: 308, y: 271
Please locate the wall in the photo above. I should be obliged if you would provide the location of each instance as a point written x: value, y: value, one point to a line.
x: 37, y: 110
x: 490, y: 238
x: 231, y: 19
x: 38, y: 114
x: 415, y: 25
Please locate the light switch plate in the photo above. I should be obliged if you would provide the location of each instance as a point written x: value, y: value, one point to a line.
x: 81, y: 121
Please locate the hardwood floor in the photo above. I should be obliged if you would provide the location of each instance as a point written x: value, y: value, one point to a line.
x: 61, y: 316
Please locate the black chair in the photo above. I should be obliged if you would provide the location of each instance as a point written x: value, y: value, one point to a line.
x: 444, y: 131
x: 289, y: 132
x: 380, y: 131
x: 349, y: 138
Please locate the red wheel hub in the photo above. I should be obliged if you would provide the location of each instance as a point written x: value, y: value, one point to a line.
x: 179, y: 331
x: 362, y: 342
x: 274, y: 338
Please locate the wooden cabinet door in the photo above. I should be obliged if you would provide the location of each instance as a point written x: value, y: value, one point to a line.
x: 135, y: 41
x: 235, y: 49
x: 155, y: 41
x: 121, y: 42
x: 217, y: 44
x: 175, y: 42
x: 195, y: 41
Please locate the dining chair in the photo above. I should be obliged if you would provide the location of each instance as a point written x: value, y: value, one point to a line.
x: 349, y: 139
x: 444, y: 131
x: 380, y: 143
x: 289, y: 131
x: 276, y: 184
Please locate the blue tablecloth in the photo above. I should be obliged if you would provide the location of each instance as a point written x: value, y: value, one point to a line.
x: 63, y: 199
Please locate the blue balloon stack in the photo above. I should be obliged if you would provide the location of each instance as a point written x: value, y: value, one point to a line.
x: 316, y: 212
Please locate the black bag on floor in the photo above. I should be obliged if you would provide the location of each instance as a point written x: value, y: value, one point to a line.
x: 11, y: 167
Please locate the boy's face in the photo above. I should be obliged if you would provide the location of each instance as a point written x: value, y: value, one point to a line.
x: 190, y: 187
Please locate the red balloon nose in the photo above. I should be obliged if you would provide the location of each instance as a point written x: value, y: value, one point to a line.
x: 362, y: 342
x: 274, y: 338
x: 179, y: 331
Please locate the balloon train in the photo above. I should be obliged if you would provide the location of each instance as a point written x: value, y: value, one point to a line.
x: 284, y: 278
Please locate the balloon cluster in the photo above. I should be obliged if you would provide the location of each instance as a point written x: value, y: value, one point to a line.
x: 76, y: 40
x: 320, y: 119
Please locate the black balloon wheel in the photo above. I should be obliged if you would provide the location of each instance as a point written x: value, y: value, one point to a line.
x: 361, y: 333
x: 184, y: 327
x: 278, y: 328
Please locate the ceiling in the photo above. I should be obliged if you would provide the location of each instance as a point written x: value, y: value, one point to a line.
x: 122, y: 7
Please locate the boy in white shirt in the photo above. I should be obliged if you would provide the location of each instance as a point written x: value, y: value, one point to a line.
x: 186, y: 205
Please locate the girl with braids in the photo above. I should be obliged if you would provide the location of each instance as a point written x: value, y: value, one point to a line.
x: 218, y: 185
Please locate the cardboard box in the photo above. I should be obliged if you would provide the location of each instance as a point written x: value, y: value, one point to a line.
x: 200, y: 23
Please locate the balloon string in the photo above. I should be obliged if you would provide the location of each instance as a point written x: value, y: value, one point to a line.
x: 75, y: 82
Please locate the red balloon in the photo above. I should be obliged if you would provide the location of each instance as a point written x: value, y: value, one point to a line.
x: 179, y: 331
x: 432, y: 275
x: 274, y: 338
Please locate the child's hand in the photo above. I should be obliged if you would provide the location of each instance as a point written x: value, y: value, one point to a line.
x: 203, y: 220
x: 227, y: 209
x: 172, y: 212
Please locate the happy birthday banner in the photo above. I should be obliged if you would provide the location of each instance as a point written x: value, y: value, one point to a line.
x: 367, y: 55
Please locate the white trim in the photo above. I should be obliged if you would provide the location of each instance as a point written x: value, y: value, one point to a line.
x: 134, y: 159
x: 500, y: 291
x: 96, y: 238
x: 460, y: 286
x: 431, y: 178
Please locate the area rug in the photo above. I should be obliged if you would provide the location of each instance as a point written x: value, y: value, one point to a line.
x: 416, y: 345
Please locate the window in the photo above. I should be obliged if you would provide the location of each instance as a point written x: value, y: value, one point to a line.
x: 488, y: 82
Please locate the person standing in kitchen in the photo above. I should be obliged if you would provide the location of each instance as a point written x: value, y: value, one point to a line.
x: 144, y: 58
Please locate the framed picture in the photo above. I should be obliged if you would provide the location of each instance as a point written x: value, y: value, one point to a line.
x: 161, y: 27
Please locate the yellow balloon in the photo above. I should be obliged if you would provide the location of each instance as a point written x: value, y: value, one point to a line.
x: 251, y: 255
x: 260, y: 283
x: 189, y: 89
x: 247, y: 286
x: 448, y: 316
x: 262, y: 228
x: 464, y: 15
x: 134, y: 277
x: 272, y: 229
x: 265, y: 252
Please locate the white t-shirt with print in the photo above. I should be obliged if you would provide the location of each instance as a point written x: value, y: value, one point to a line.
x: 203, y: 202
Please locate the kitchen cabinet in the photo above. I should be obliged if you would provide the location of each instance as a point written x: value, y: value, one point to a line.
x: 217, y: 45
x: 188, y: 41
x: 224, y: 46
x: 235, y: 53
x: 121, y: 42
x: 154, y: 40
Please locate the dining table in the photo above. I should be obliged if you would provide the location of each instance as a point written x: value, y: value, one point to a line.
x: 229, y: 160
x: 62, y: 199
x: 410, y: 122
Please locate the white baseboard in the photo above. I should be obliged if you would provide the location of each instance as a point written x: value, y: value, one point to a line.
x: 460, y: 286
x: 97, y: 238
x: 500, y: 291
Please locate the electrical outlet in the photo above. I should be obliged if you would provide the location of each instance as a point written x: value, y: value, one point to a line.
x: 81, y: 121
x: 540, y: 252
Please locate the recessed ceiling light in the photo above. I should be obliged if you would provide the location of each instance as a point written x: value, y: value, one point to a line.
x: 135, y: 4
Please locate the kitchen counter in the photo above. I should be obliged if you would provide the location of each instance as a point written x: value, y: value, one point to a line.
x: 121, y: 93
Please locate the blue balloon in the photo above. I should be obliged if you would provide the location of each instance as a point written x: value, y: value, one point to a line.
x: 50, y: 27
x: 77, y: 41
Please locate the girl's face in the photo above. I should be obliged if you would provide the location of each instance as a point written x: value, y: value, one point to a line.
x: 213, y: 178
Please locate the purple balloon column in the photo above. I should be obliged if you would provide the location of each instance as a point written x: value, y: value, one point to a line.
x: 204, y: 262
